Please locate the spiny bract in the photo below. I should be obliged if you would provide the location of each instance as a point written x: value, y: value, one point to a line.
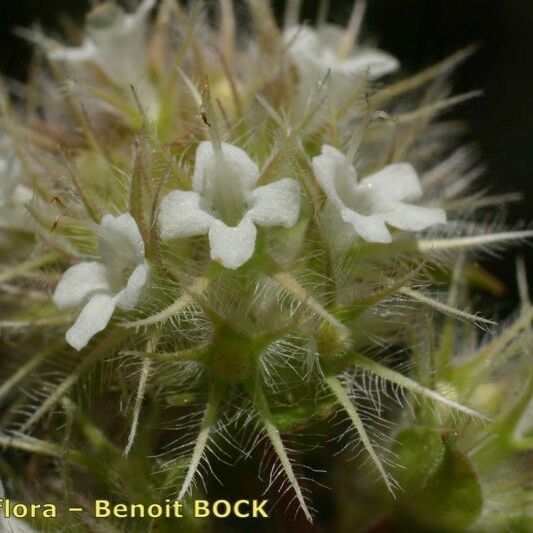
x: 219, y: 234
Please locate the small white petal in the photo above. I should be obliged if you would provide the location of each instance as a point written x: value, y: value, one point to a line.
x: 314, y: 53
x: 276, y: 204
x: 79, y: 283
x: 375, y: 62
x: 86, y: 52
x: 307, y: 54
x: 93, y: 318
x: 22, y: 195
x: 369, y: 227
x: 398, y: 181
x: 120, y: 241
x: 182, y: 214
x: 300, y: 39
x: 128, y: 297
x: 329, y: 36
x: 238, y: 166
x: 232, y: 246
x: 409, y: 217
x: 331, y: 166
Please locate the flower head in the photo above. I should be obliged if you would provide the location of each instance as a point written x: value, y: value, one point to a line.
x: 377, y: 200
x: 116, y: 42
x: 99, y: 287
x: 317, y: 52
x: 226, y: 205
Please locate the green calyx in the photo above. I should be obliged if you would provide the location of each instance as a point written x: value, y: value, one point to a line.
x: 232, y: 357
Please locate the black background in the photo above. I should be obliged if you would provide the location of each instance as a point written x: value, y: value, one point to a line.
x: 418, y: 32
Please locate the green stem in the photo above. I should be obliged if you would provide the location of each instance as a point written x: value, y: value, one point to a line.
x: 507, y: 424
x: 192, y: 354
x: 195, y: 290
x: 444, y: 354
x: 37, y: 322
x: 40, y: 447
x: 480, y: 361
x: 28, y: 266
x: 443, y: 308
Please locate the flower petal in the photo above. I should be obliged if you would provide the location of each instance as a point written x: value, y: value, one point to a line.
x: 128, y: 297
x: 121, y: 243
x: 331, y: 166
x: 306, y: 50
x: 398, y: 181
x: 86, y: 52
x: 238, y: 165
x: 369, y: 227
x: 181, y: 215
x: 232, y: 246
x: 413, y: 217
x: 376, y: 62
x: 330, y: 36
x: 79, y: 283
x: 21, y: 195
x: 276, y: 204
x: 300, y: 39
x: 93, y: 318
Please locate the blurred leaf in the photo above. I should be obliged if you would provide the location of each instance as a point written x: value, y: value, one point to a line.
x: 420, y: 452
x: 451, y: 500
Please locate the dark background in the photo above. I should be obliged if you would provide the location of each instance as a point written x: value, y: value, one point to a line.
x: 419, y: 33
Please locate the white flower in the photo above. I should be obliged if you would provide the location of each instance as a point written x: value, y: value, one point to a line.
x: 11, y: 524
x: 315, y: 53
x: 226, y: 205
x: 99, y: 287
x: 13, y: 193
x: 116, y: 42
x: 376, y: 200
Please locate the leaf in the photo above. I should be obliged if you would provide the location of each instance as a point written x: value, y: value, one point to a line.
x: 451, y: 499
x: 420, y: 451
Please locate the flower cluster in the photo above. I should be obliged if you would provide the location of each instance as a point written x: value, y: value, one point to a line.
x: 254, y: 239
x: 226, y: 205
